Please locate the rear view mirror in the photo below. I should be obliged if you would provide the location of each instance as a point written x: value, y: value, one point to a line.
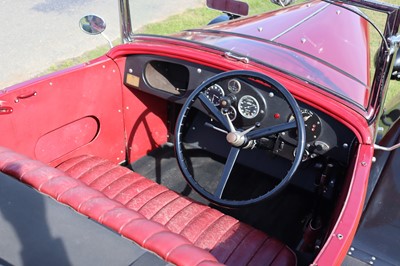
x: 229, y: 6
x: 92, y: 24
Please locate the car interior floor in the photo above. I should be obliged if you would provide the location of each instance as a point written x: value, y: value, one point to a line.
x: 283, y: 216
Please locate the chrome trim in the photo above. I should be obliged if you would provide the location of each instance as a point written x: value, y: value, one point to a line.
x: 125, y: 21
x: 392, y: 148
x: 242, y: 59
x: 394, y: 42
x: 300, y: 22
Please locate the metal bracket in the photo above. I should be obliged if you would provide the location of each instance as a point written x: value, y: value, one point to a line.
x: 242, y: 59
x: 377, y: 147
x: 394, y: 42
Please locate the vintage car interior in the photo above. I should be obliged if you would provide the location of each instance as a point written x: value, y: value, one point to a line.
x: 199, y: 154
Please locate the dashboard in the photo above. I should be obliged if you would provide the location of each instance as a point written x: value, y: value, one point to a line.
x: 246, y: 103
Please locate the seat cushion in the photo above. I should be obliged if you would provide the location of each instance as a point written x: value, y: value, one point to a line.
x: 229, y: 240
x: 94, y: 204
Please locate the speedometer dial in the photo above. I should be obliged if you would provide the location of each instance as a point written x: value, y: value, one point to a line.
x: 248, y: 107
x: 214, y: 93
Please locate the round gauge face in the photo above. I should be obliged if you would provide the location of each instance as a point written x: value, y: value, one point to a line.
x: 234, y: 86
x: 214, y: 93
x: 312, y: 124
x: 248, y: 107
x: 232, y: 113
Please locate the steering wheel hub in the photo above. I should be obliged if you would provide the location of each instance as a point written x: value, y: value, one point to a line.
x: 235, y: 139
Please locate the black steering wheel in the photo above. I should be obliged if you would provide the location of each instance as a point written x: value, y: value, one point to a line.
x: 238, y: 138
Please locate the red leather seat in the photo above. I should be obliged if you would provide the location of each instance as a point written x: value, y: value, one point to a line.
x: 176, y: 228
x: 229, y: 240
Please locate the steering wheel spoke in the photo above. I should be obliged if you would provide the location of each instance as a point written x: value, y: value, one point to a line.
x: 214, y: 111
x: 230, y: 162
x: 268, y: 131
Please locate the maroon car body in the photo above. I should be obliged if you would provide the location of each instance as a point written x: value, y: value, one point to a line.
x: 126, y: 108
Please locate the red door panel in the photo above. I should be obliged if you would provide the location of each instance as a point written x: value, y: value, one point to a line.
x: 72, y: 112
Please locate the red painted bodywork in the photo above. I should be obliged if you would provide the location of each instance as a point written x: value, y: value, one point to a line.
x: 313, y: 41
x: 145, y: 120
x: 124, y: 123
x: 62, y: 100
x: 341, y: 237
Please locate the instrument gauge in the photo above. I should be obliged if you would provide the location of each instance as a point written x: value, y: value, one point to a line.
x: 248, y: 107
x: 232, y: 113
x: 312, y: 124
x: 234, y: 86
x: 214, y: 93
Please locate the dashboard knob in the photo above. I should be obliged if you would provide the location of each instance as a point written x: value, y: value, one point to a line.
x: 321, y: 146
x: 227, y: 101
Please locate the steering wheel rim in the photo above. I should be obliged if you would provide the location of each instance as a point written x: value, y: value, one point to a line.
x: 234, y: 152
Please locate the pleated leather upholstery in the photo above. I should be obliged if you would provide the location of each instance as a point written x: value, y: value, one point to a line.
x: 177, y: 229
x: 229, y: 240
x: 94, y: 204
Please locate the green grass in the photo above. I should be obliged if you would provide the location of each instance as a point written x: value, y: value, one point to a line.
x: 85, y: 57
x: 199, y: 17
x: 393, y: 94
x: 192, y: 18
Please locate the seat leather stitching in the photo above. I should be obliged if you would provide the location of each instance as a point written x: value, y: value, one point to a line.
x: 259, y: 248
x: 140, y: 193
x: 115, y: 181
x: 166, y: 203
x: 84, y: 158
x: 178, y: 212
x: 193, y: 219
x: 233, y: 250
x: 102, y: 174
x: 206, y: 229
x: 90, y: 169
x: 165, y: 206
x: 154, y: 198
x: 126, y: 188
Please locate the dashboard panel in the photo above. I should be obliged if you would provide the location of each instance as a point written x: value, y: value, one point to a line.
x: 261, y: 103
x: 166, y: 78
x: 246, y: 102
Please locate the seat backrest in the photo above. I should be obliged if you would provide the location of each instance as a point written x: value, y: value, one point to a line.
x: 94, y: 204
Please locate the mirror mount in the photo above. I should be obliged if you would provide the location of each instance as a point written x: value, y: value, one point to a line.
x: 282, y: 3
x: 94, y: 25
